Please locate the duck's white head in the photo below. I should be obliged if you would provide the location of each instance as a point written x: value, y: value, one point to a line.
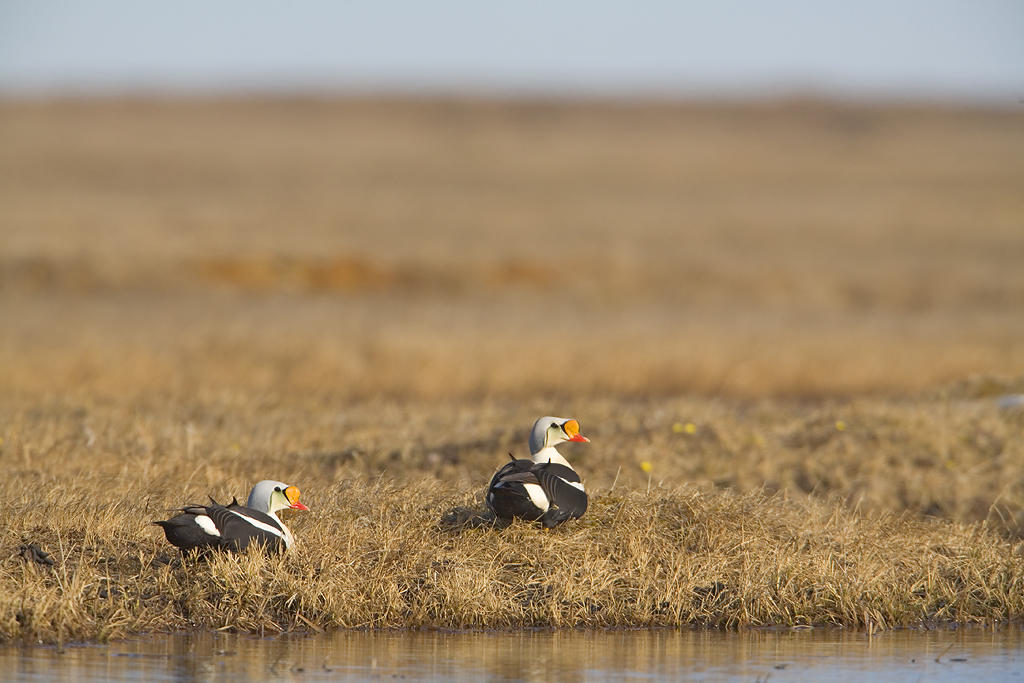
x: 270, y: 496
x: 551, y: 431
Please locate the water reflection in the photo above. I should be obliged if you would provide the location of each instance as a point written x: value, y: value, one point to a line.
x: 572, y: 656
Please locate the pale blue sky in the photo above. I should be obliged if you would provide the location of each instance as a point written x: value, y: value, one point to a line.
x: 966, y: 49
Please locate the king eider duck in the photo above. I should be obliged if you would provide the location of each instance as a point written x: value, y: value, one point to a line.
x: 546, y: 487
x: 234, y: 527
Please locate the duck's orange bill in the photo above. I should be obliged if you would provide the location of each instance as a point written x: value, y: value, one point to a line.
x: 572, y: 428
x: 292, y: 492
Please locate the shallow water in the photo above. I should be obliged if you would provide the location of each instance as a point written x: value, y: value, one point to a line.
x: 661, y: 655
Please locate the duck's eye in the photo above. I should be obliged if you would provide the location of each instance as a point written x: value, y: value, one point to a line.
x: 278, y: 489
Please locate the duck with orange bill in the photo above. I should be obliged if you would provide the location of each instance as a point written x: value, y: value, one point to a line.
x: 544, y: 487
x: 236, y: 527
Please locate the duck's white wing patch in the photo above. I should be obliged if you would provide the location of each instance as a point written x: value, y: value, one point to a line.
x: 258, y: 524
x: 536, y: 494
x: 577, y: 484
x: 288, y: 538
x: 207, y: 525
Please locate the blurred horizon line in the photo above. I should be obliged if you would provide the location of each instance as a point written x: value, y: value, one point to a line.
x: 710, y: 96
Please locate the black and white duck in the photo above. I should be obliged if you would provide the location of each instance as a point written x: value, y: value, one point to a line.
x: 236, y: 527
x: 545, y: 487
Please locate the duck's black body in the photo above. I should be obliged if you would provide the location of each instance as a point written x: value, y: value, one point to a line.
x: 509, y: 493
x: 232, y: 527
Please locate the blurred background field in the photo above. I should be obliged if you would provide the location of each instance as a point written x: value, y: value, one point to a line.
x: 459, y: 247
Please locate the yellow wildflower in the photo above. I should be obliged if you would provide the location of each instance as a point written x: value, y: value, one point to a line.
x: 688, y: 428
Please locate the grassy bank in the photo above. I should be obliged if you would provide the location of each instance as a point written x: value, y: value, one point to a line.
x: 373, y: 557
x: 374, y: 552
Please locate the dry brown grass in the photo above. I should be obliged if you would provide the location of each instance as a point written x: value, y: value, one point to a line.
x: 375, y: 299
x: 83, y: 481
x: 374, y: 558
